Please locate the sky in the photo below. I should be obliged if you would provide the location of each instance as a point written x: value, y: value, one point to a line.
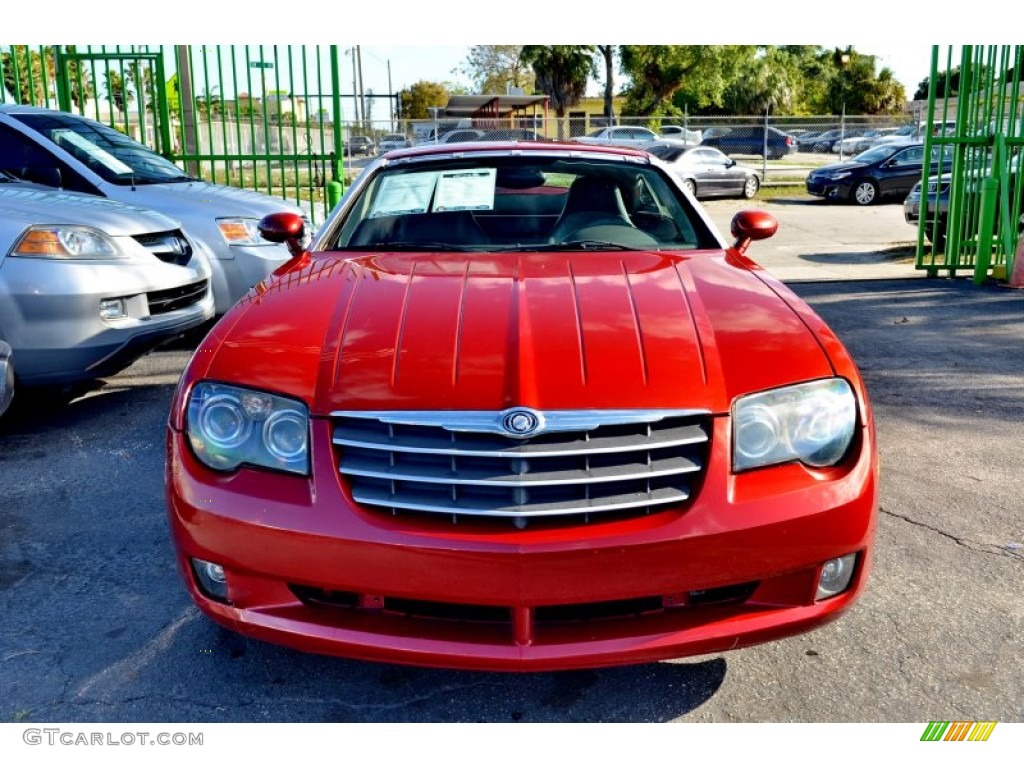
x: 428, y: 40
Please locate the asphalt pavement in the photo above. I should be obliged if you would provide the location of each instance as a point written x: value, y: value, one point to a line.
x: 97, y: 627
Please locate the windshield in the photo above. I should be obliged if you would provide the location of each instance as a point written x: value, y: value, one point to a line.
x: 876, y: 154
x: 509, y: 203
x: 107, y: 152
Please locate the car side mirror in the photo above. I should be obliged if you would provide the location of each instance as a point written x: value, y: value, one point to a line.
x: 752, y: 225
x: 730, y: 163
x: 287, y: 228
x: 47, y: 175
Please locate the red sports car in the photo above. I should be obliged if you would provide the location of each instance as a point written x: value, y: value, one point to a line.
x: 521, y: 407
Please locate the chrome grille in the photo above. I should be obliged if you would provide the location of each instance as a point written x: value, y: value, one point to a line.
x: 172, y: 299
x: 446, y: 463
x: 171, y: 247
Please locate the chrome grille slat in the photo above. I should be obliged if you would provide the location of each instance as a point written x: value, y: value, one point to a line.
x: 364, y: 467
x: 486, y: 445
x: 416, y: 462
x: 484, y: 508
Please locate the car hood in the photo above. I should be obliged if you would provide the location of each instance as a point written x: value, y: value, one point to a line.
x: 549, y: 331
x: 29, y: 204
x: 189, y: 198
x: 837, y: 168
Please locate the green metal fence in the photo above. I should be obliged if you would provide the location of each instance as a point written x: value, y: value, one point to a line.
x: 266, y: 118
x: 974, y: 224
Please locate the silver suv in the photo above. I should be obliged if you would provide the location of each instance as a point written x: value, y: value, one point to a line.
x: 88, y: 285
x: 71, y: 152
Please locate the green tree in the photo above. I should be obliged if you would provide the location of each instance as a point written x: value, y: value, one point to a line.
x: 495, y: 68
x: 209, y: 103
x: 856, y: 89
x: 141, y: 80
x: 766, y: 82
x: 79, y: 79
x: 561, y: 72
x: 419, y: 97
x: 117, y: 90
x: 665, y: 78
x: 27, y: 74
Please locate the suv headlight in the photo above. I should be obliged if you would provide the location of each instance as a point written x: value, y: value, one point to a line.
x: 241, y: 231
x: 229, y: 426
x: 65, y: 242
x: 812, y: 423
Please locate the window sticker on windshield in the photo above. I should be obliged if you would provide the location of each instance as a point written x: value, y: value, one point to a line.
x: 64, y: 135
x: 466, y: 190
x: 404, y: 193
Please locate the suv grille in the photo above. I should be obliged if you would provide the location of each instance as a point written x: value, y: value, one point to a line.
x: 171, y: 247
x: 639, y: 461
x: 161, y: 302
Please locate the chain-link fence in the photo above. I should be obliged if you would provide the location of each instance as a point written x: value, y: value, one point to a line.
x: 784, y: 146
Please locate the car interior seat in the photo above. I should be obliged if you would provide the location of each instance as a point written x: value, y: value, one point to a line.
x: 592, y: 201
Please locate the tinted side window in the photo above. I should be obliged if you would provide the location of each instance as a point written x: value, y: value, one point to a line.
x: 22, y: 157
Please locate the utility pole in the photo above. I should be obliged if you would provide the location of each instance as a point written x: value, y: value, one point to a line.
x: 391, y: 98
x: 188, y: 113
x: 362, y: 94
x: 355, y: 87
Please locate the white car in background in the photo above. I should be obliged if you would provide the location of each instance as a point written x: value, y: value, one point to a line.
x: 88, y: 285
x: 620, y: 135
x: 71, y: 152
x: 687, y: 136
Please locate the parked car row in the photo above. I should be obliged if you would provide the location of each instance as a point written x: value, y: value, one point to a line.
x: 108, y: 249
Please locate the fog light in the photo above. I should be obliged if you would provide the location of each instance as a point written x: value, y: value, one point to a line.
x: 212, y: 581
x: 112, y: 309
x: 835, y: 576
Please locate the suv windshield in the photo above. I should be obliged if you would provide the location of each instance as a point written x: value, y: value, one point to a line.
x: 501, y: 203
x: 107, y: 152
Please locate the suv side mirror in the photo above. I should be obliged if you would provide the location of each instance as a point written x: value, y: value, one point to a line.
x: 47, y: 175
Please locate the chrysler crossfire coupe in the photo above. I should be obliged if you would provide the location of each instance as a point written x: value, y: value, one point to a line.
x: 521, y: 407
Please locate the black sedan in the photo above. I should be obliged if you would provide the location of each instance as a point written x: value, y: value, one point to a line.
x: 885, y: 171
x: 706, y: 172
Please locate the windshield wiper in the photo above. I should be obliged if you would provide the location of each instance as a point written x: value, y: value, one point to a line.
x: 412, y: 246
x: 581, y: 245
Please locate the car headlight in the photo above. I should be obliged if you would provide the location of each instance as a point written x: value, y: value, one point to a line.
x: 812, y: 423
x: 241, y: 231
x: 229, y: 426
x: 837, y: 175
x: 66, y: 242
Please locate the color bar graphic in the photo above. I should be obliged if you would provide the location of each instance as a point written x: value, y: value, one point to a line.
x: 959, y: 730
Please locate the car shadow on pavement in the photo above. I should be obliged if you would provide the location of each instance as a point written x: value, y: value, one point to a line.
x: 904, y: 253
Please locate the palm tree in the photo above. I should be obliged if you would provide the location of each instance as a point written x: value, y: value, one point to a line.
x: 608, y: 54
x: 117, y: 90
x: 561, y: 73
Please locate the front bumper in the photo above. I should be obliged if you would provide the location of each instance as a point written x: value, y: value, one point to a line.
x: 57, y: 332
x: 828, y: 188
x: 308, y: 568
x: 912, y: 208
